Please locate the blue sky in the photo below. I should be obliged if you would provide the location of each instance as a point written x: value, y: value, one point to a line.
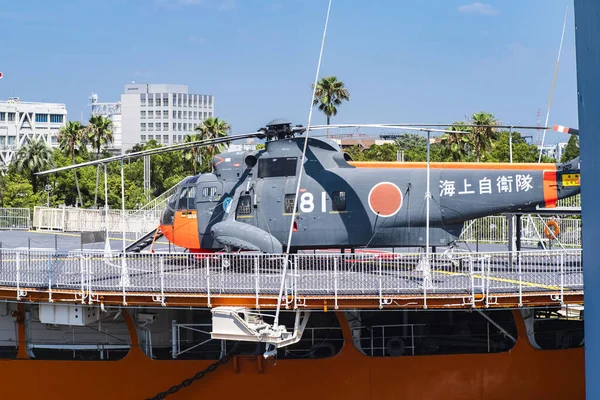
x: 402, y: 61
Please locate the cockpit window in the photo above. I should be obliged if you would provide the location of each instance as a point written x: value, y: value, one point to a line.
x: 280, y: 166
x: 192, y: 198
x: 182, y: 204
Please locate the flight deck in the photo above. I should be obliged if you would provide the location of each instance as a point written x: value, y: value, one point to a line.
x: 323, y: 280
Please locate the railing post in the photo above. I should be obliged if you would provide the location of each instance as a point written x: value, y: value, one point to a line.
x: 174, y: 342
x: 208, y: 280
x: 335, y: 281
x: 381, y: 286
x: 18, y: 258
x: 520, y: 283
x: 562, y: 278
x: 162, y: 280
x: 49, y: 266
x: 82, y: 271
x: 256, y: 277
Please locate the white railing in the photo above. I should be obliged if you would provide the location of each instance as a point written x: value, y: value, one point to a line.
x: 494, y: 229
x: 383, y: 276
x: 15, y: 218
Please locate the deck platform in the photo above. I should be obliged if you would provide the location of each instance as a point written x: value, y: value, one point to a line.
x: 319, y: 281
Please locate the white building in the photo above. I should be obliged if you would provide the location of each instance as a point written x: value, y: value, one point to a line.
x: 165, y: 113
x: 23, y: 121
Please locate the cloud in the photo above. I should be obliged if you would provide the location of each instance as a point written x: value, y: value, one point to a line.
x: 478, y: 8
x: 196, y: 39
x: 227, y: 5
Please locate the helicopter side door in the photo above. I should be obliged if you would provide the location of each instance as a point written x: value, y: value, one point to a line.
x: 211, y: 209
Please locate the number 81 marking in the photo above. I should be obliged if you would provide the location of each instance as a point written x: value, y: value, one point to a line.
x: 307, y: 202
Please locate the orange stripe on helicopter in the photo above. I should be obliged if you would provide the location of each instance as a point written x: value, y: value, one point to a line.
x: 455, y: 165
x: 550, y: 189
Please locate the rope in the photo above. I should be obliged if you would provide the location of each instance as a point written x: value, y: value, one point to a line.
x: 187, y: 382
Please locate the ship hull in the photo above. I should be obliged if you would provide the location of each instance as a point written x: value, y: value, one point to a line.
x: 521, y: 373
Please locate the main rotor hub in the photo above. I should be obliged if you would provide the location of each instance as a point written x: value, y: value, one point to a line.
x: 281, y: 129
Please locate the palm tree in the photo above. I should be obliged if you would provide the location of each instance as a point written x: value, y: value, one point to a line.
x: 329, y: 93
x: 194, y: 154
x: 456, y: 144
x: 35, y: 156
x: 482, y: 137
x: 212, y: 128
x: 98, y: 133
x: 71, y: 139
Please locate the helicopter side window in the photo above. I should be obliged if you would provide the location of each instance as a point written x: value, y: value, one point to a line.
x: 338, y: 201
x: 279, y: 166
x: 191, y: 198
x: 244, y: 206
x: 288, y: 203
x: 182, y: 203
x: 209, y: 191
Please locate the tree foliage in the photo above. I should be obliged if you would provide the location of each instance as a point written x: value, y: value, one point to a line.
x: 329, y: 94
x: 572, y: 149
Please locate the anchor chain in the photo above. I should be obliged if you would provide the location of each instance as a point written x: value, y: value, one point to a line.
x: 187, y: 382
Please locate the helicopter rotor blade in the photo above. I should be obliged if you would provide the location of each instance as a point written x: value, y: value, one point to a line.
x: 386, y: 126
x: 413, y: 125
x: 158, y: 150
x: 566, y: 129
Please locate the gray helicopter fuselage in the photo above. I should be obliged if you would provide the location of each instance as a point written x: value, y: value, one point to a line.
x: 342, y: 204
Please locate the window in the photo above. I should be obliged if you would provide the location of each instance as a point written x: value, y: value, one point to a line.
x: 143, y: 138
x: 143, y: 126
x: 165, y: 126
x: 288, y: 203
x: 179, y: 126
x: 158, y: 126
x: 54, y: 118
x: 174, y: 126
x: 150, y: 114
x: 150, y: 126
x: 280, y: 166
x: 185, y: 127
x: 174, y: 114
x: 209, y: 191
x: 150, y: 137
x: 143, y: 100
x: 150, y: 101
x: 158, y: 114
x: 192, y: 198
x: 174, y: 99
x: 338, y: 201
x: 195, y: 101
x: 165, y: 138
x: 179, y: 114
x: 166, y: 101
x: 182, y: 204
x: 165, y: 114
x: 180, y: 101
x: 143, y: 114
x: 2, y: 116
x: 244, y: 206
x: 11, y: 140
x: 185, y: 115
x: 41, y: 117
x: 195, y: 114
x: 158, y: 102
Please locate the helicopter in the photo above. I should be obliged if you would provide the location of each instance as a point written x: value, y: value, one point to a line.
x: 247, y: 202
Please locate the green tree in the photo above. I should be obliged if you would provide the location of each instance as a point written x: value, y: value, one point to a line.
x: 523, y: 152
x: 456, y: 145
x: 483, y: 136
x: 413, y: 145
x: 71, y: 139
x: 329, y: 95
x: 34, y: 156
x: 98, y: 133
x: 572, y: 149
x: 193, y: 155
x: 18, y: 192
x: 383, y: 152
x: 212, y: 128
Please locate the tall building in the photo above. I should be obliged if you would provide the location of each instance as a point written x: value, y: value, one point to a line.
x: 111, y: 111
x: 23, y: 121
x: 165, y: 113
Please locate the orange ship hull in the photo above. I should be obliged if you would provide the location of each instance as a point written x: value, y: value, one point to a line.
x: 521, y: 373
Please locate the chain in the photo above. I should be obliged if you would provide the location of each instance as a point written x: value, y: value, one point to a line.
x: 187, y: 382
